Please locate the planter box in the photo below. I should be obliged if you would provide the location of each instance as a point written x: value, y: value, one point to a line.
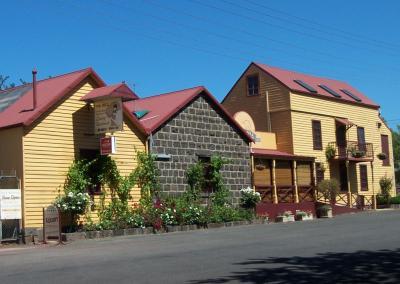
x: 172, y: 228
x: 193, y: 227
x: 304, y: 218
x: 148, y: 230
x: 395, y: 206
x: 325, y: 214
x: 70, y: 237
x: 119, y: 232
x: 107, y: 233
x: 284, y: 219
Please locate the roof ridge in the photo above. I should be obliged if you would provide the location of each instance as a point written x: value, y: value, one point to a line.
x: 170, y: 93
x: 52, y: 77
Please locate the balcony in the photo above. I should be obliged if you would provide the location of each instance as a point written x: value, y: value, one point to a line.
x: 353, y: 151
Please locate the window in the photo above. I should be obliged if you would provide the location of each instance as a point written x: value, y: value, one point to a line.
x: 252, y: 85
x: 319, y: 172
x: 94, y: 169
x: 361, y: 138
x: 363, y: 178
x: 317, y: 135
x: 206, y: 161
x: 385, y: 149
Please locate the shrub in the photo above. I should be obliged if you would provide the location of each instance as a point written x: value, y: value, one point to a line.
x: 195, y: 179
x: 386, y: 185
x: 220, y: 214
x: 74, y: 203
x: 249, y: 198
x: 329, y: 189
x: 395, y: 200
x: 147, y: 175
x: 330, y: 152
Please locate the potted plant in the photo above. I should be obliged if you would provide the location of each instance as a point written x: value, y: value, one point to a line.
x: 330, y: 152
x: 286, y: 216
x: 303, y: 215
x: 382, y: 156
x: 324, y: 211
x: 357, y: 153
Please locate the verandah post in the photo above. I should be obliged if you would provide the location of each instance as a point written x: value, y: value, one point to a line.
x: 296, y: 190
x: 275, y: 194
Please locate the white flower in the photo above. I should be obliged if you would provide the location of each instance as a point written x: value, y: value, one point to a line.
x: 70, y: 194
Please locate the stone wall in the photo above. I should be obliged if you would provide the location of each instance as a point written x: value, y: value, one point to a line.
x: 199, y: 130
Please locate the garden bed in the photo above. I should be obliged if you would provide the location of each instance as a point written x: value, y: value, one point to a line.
x: 68, y: 237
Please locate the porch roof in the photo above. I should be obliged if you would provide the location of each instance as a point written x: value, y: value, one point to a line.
x: 275, y: 154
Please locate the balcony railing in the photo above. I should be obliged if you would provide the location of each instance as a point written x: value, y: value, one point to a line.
x: 353, y: 150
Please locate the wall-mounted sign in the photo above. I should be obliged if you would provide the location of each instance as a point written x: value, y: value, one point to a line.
x: 10, y: 204
x: 108, y: 145
x: 108, y: 115
x: 51, y: 223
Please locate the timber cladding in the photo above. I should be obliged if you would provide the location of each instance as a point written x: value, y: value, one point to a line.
x: 306, y: 109
x: 52, y: 143
x: 238, y: 99
x: 200, y: 131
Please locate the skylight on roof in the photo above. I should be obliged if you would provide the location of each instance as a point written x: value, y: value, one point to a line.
x: 305, y: 86
x: 350, y: 94
x: 330, y: 91
x: 140, y: 113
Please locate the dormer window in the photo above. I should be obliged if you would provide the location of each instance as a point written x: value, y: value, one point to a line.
x: 252, y: 85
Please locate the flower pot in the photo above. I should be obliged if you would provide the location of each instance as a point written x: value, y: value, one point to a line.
x: 284, y: 219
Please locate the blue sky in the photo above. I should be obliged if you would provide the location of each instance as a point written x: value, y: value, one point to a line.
x: 159, y: 46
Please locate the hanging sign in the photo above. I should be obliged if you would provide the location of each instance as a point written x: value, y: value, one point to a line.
x: 51, y: 223
x: 10, y: 204
x: 108, y: 145
x: 108, y: 115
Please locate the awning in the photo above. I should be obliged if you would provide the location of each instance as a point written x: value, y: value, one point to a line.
x: 344, y: 121
x: 279, y: 155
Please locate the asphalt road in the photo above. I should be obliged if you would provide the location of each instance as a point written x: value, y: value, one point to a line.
x: 357, y: 248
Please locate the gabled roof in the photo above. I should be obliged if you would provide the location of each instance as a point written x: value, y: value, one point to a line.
x: 120, y: 90
x: 49, y: 92
x: 163, y: 107
x: 287, y: 78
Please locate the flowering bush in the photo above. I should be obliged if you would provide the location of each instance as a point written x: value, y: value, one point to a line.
x: 249, y: 198
x: 303, y: 213
x: 169, y: 217
x: 75, y: 203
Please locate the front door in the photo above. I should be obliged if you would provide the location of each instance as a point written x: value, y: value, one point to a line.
x: 343, y: 175
x: 341, y: 139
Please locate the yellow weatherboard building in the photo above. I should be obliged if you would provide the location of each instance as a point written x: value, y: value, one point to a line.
x: 45, y: 126
x: 308, y: 117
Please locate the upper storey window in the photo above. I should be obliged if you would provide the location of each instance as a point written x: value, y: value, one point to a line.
x: 252, y: 85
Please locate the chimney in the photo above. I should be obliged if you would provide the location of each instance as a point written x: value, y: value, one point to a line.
x: 34, y: 72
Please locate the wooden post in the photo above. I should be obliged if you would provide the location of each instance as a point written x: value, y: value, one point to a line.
x: 252, y: 172
x: 348, y: 185
x: 296, y: 190
x: 275, y: 194
x: 373, y: 187
x: 314, y: 179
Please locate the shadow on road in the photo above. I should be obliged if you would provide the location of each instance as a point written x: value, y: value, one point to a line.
x: 358, y: 267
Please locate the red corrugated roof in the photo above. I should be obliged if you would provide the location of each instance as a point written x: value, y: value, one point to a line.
x: 120, y: 90
x: 49, y: 92
x: 286, y: 77
x: 162, y: 107
x: 269, y: 153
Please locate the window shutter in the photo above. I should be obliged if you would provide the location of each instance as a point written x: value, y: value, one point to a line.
x: 385, y: 149
x: 363, y: 177
x: 317, y: 135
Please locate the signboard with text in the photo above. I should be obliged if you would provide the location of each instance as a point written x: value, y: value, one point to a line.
x: 108, y: 115
x: 51, y: 223
x: 108, y: 145
x: 10, y: 204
